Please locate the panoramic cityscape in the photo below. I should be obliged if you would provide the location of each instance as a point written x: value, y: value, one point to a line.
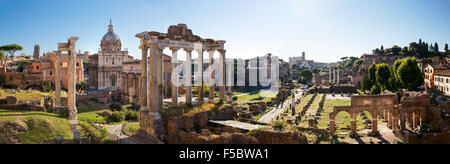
x: 225, y: 72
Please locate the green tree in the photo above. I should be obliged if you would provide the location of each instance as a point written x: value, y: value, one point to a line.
x: 373, y: 73
x: 383, y: 74
x: 358, y: 63
x: 11, y: 50
x: 446, y: 47
x: 307, y: 75
x: 316, y: 71
x: 82, y: 86
x: 436, y: 47
x: 366, y: 83
x: 3, y: 59
x: 409, y: 74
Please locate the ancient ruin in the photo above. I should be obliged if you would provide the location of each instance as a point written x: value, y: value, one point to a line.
x: 178, y: 37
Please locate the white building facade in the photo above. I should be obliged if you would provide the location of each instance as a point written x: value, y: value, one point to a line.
x: 110, y: 59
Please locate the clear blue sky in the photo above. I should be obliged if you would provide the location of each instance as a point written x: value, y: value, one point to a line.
x: 325, y: 29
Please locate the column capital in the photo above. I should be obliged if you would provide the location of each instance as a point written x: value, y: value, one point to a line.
x: 143, y: 47
x: 188, y: 50
x: 222, y: 51
x: 173, y: 49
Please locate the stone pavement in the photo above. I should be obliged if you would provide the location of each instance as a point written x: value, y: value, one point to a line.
x: 238, y: 125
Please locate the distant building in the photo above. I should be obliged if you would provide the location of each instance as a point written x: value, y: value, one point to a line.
x: 442, y: 82
x: 44, y: 69
x: 430, y: 72
x: 301, y: 62
x: 37, y: 52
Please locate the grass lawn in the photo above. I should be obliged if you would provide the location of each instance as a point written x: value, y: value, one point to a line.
x: 41, y: 126
x: 26, y: 95
x: 265, y: 97
x: 131, y: 129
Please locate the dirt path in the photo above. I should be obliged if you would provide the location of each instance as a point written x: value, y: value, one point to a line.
x: 386, y: 137
x: 268, y: 117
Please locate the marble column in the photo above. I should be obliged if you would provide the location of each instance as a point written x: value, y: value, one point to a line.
x: 335, y: 76
x: 230, y: 81
x: 153, y: 98
x: 174, y: 76
x: 137, y: 89
x: 329, y: 74
x: 160, y: 77
x: 222, y: 76
x: 58, y: 80
x: 338, y: 79
x: 71, y: 81
x: 144, y: 79
x: 200, y: 76
x: 374, y: 124
x: 131, y: 91
x: 211, y: 76
x: 125, y: 87
x: 188, y: 75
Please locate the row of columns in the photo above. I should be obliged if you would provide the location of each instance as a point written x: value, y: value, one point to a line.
x: 153, y: 80
x: 334, y: 75
x: 353, y: 125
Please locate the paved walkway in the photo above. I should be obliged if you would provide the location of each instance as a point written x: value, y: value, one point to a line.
x: 268, y: 117
x: 238, y: 125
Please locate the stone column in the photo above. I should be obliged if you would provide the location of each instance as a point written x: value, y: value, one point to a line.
x: 222, y: 76
x: 188, y: 67
x: 337, y: 75
x: 416, y: 119
x: 374, y: 124
x: 137, y: 89
x: 410, y: 119
x: 394, y: 123
x: 332, y: 126
x: 71, y: 97
x: 329, y: 74
x: 389, y: 114
x: 211, y: 76
x: 131, y: 88
x: 160, y: 77
x: 353, y: 126
x: 125, y: 87
x: 200, y: 76
x: 144, y: 79
x: 58, y: 80
x: 174, y: 76
x: 230, y: 81
x: 153, y: 98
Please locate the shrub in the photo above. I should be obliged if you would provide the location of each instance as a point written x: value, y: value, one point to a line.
x: 235, y: 98
x: 279, y: 125
x: 93, y: 99
x: 115, y: 107
x: 132, y: 115
x: 117, y: 116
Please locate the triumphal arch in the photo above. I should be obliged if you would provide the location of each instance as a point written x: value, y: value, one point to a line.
x: 178, y: 37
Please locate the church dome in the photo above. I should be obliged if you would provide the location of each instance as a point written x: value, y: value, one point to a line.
x: 111, y: 41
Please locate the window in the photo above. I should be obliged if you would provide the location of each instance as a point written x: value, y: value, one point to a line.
x: 37, y: 67
x: 51, y: 73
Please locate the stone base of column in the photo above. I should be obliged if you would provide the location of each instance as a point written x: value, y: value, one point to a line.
x: 151, y: 124
x: 73, y: 115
